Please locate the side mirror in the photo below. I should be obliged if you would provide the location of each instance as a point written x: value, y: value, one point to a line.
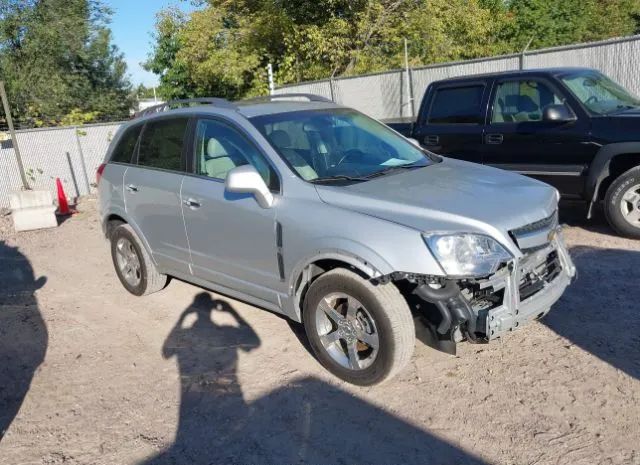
x: 559, y: 113
x: 246, y: 180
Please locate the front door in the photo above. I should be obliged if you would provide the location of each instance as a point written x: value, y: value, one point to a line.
x: 454, y: 121
x: 152, y: 192
x: 517, y: 138
x: 232, y: 239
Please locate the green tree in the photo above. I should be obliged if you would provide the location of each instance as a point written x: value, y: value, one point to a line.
x: 224, y: 47
x: 57, y: 59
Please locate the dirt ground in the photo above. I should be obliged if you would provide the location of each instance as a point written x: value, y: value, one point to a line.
x: 92, y: 375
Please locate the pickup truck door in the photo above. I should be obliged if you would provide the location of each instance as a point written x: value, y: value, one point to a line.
x: 451, y: 120
x: 516, y: 138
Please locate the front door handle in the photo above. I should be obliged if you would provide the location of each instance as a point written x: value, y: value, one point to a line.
x: 192, y: 203
x: 494, y: 139
x: 132, y: 188
x: 431, y: 140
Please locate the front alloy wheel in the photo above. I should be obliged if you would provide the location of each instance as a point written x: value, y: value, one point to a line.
x: 360, y: 332
x: 347, y: 331
x: 622, y: 203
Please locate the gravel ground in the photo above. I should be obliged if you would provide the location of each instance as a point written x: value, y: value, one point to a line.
x: 92, y: 375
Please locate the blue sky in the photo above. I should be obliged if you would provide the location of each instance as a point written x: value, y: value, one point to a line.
x: 132, y: 25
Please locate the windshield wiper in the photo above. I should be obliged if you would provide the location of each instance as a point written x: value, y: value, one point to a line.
x: 339, y: 177
x: 392, y: 169
x: 621, y: 108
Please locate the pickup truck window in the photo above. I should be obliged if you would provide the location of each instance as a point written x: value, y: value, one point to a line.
x: 457, y: 105
x: 522, y: 101
x: 599, y: 93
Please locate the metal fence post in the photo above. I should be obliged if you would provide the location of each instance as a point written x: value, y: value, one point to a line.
x: 14, y: 139
x: 73, y: 175
x: 523, y: 54
x: 82, y: 164
x: 333, y: 96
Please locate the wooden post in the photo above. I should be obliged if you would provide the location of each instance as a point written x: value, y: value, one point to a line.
x: 14, y: 139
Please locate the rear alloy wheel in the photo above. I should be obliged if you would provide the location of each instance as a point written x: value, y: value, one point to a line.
x: 622, y: 203
x: 361, y: 333
x: 134, y: 267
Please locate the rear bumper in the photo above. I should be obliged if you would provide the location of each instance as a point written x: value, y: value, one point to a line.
x: 516, y: 311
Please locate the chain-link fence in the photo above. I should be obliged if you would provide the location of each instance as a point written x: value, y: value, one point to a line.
x: 72, y: 154
x: 387, y: 95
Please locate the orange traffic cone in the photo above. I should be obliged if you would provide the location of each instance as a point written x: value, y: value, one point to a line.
x: 63, y: 206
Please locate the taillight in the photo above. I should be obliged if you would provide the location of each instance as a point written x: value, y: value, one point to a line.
x: 99, y: 173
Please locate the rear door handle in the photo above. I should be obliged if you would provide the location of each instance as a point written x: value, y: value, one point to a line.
x: 431, y: 140
x: 192, y: 203
x: 132, y: 188
x: 494, y: 139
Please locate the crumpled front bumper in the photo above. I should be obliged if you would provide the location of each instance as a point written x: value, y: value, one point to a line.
x: 517, y: 310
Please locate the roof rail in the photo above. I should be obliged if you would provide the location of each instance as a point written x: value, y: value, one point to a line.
x: 219, y: 102
x: 271, y: 98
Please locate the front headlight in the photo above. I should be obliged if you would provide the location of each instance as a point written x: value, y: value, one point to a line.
x: 467, y: 255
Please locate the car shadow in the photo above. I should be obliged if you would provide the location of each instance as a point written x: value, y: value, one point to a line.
x: 307, y: 421
x: 23, y: 333
x: 599, y: 311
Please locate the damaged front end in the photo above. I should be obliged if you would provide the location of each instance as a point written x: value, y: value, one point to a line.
x: 483, y: 309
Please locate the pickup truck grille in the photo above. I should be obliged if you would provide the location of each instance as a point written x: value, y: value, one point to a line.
x: 535, y: 236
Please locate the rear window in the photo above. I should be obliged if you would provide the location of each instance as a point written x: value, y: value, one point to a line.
x: 457, y: 105
x: 127, y: 144
x: 162, y: 142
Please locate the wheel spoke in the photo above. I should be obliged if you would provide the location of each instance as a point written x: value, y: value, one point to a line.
x: 633, y: 216
x: 330, y: 338
x: 330, y: 311
x: 352, y: 355
x: 352, y: 307
x: 631, y: 196
x: 370, y: 339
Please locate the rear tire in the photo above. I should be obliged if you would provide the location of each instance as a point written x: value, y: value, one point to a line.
x: 622, y: 204
x: 134, y: 267
x: 375, y: 342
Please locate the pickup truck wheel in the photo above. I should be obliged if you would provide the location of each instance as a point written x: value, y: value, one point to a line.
x: 134, y: 266
x: 622, y: 204
x: 362, y: 333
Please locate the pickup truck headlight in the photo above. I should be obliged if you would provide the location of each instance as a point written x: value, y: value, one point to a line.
x: 467, y: 255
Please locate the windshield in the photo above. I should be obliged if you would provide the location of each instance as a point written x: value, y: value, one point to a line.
x: 338, y: 145
x: 600, y: 94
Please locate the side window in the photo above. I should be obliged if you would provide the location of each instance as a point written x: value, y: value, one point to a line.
x: 219, y: 148
x: 126, y: 145
x: 457, y: 105
x: 522, y: 101
x: 161, y: 144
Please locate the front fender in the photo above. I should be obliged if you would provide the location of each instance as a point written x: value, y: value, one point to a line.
x: 599, y: 169
x: 351, y: 252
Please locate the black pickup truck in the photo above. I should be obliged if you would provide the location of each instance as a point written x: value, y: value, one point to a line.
x: 573, y: 128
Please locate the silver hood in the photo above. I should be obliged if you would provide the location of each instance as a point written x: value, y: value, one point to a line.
x: 451, y: 196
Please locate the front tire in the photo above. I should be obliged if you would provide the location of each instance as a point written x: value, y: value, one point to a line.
x: 134, y: 267
x: 363, y: 334
x: 622, y: 204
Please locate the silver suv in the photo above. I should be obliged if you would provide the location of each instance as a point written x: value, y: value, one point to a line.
x: 320, y: 213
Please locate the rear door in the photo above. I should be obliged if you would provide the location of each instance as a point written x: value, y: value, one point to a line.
x: 233, y: 240
x: 452, y: 120
x: 152, y: 192
x: 517, y: 138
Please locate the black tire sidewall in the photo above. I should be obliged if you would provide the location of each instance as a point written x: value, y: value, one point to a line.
x: 123, y: 232
x: 614, y: 198
x: 382, y: 365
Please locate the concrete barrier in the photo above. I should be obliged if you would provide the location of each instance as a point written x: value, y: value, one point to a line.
x: 32, y: 210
